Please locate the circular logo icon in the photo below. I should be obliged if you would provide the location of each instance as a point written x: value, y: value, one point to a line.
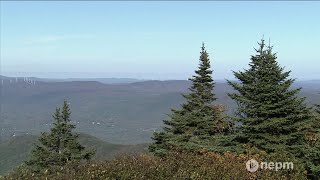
x: 252, y: 165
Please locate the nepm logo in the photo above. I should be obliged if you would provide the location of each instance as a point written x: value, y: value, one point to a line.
x: 252, y: 165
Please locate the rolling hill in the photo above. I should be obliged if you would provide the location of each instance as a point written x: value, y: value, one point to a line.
x: 17, y: 149
x: 117, y: 113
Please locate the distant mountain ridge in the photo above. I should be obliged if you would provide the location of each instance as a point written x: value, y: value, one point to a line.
x: 102, y: 80
x: 118, y: 113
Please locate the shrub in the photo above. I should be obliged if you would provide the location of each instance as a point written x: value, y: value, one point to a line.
x: 176, y: 165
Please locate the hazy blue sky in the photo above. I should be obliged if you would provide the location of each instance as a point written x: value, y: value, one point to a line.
x: 158, y: 40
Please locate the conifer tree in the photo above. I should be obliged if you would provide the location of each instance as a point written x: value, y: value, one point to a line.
x: 59, y: 146
x: 196, y: 118
x: 313, y: 154
x: 273, y: 118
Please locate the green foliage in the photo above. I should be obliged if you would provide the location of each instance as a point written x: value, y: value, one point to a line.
x: 197, y: 120
x: 59, y: 146
x: 273, y: 117
x: 176, y: 165
x: 313, y: 148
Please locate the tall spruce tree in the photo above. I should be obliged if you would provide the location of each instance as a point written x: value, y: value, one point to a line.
x: 59, y: 146
x: 197, y: 117
x: 273, y: 118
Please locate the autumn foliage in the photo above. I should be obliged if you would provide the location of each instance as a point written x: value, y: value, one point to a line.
x: 176, y: 165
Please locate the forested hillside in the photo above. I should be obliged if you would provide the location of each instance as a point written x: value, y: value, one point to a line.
x: 126, y: 113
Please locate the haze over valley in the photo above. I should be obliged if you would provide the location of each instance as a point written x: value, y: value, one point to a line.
x: 116, y: 110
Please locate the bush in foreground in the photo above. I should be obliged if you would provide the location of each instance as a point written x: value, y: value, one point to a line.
x: 177, y: 165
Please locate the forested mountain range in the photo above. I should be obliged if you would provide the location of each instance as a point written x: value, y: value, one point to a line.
x: 126, y: 113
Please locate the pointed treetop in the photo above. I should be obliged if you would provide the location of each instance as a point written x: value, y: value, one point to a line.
x: 269, y: 42
x: 262, y: 45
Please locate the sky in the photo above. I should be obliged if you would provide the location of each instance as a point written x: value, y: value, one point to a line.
x: 154, y: 40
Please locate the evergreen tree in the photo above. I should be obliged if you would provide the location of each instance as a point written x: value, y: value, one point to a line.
x: 273, y: 118
x: 313, y: 154
x: 197, y: 118
x: 60, y: 145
